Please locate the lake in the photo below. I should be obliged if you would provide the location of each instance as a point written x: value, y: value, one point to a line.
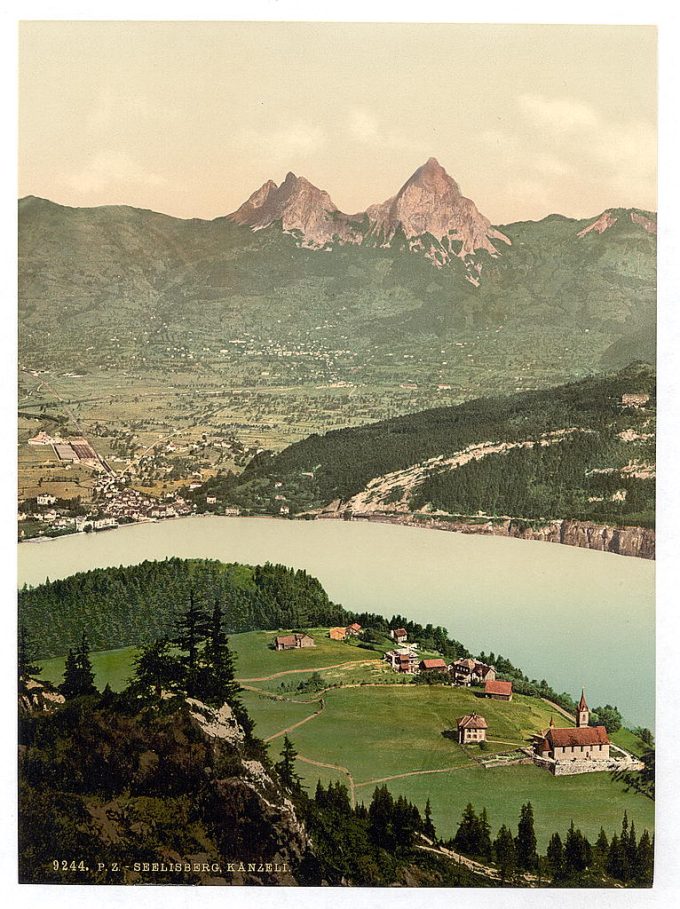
x: 572, y: 616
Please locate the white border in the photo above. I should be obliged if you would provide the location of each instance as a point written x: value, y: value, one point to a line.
x: 492, y: 11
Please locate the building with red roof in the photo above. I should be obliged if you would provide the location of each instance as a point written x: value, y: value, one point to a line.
x: 433, y: 665
x: 399, y: 635
x: 500, y: 691
x: 579, y: 743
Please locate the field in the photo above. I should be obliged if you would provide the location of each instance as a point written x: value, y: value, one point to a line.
x: 364, y: 728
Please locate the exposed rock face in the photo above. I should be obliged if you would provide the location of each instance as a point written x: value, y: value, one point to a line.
x: 637, y: 218
x: 604, y: 222
x: 40, y: 696
x: 431, y: 202
x: 639, y: 542
x: 299, y: 206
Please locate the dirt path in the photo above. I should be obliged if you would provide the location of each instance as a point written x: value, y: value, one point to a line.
x: 565, y: 713
x: 306, y: 719
x: 350, y: 778
x: 400, y: 776
x: 479, y: 868
x: 278, y: 675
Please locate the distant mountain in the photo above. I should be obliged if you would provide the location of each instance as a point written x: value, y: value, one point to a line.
x: 429, y: 206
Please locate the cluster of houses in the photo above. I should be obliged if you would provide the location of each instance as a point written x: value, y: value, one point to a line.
x: 341, y: 634
x: 294, y: 641
x: 465, y: 672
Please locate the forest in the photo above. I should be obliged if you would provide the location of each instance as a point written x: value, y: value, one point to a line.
x: 580, y: 476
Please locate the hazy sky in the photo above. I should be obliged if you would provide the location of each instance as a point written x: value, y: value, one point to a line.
x: 190, y: 118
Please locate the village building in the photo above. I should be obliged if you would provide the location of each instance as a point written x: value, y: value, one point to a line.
x: 337, y: 634
x: 403, y: 660
x: 293, y: 641
x: 433, y: 665
x: 579, y: 749
x: 42, y: 438
x: 399, y: 635
x: 471, y: 728
x: 499, y: 691
x: 353, y: 629
x: 46, y: 499
x: 211, y: 500
x: 469, y: 672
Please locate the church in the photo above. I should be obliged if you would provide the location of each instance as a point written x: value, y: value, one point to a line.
x: 568, y: 746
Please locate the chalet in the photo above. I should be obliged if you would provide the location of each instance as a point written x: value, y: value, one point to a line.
x: 582, y: 743
x: 499, y: 691
x: 468, y: 672
x: 353, y: 629
x: 399, y: 635
x: 434, y: 665
x: 471, y: 728
x: 403, y: 660
x: 46, y: 499
x: 337, y: 634
x: 211, y: 500
x: 293, y: 641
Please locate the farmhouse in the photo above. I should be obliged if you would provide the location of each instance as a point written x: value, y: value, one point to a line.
x: 499, y: 691
x: 337, y: 634
x: 434, y: 665
x: 399, y: 635
x: 353, y: 629
x: 467, y: 672
x: 293, y: 641
x: 471, y: 728
x: 403, y: 660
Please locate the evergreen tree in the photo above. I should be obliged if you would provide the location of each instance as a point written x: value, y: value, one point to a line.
x: 504, y: 851
x: 467, y: 838
x: 25, y: 657
x: 601, y: 850
x: 525, y: 841
x: 485, y: 849
x: 614, y: 865
x: 218, y: 682
x: 286, y: 767
x: 381, y: 819
x: 157, y: 668
x: 555, y: 856
x: 193, y: 627
x: 84, y: 664
x: 644, y: 864
x: 428, y: 826
x: 69, y: 687
x: 577, y: 852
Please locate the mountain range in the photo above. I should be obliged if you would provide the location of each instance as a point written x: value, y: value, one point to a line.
x: 288, y: 266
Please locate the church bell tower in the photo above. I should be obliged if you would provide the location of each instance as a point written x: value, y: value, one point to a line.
x: 583, y: 712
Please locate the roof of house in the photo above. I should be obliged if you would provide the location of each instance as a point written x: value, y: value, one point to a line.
x: 437, y: 663
x: 485, y: 669
x: 286, y: 639
x: 399, y: 631
x: 300, y: 635
x: 494, y: 686
x: 585, y: 735
x: 468, y: 664
x: 472, y: 721
x: 355, y: 626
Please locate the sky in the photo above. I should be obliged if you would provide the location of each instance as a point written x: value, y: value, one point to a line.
x: 189, y: 118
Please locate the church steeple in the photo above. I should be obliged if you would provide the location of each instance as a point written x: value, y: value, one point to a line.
x: 583, y: 711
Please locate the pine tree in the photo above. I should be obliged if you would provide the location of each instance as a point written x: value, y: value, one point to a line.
x: 25, y: 659
x: 467, y: 838
x: 555, y: 856
x: 525, y: 841
x: 614, y: 864
x: 286, y: 767
x: 485, y: 849
x: 78, y: 674
x: 193, y: 627
x: 219, y: 685
x: 156, y: 668
x: 644, y: 865
x: 601, y: 848
x: 428, y: 826
x: 69, y: 687
x: 504, y: 850
x: 577, y: 852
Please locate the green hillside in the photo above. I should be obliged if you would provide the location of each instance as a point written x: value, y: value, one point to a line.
x: 570, y: 452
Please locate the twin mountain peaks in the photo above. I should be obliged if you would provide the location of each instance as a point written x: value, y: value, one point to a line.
x: 430, y: 202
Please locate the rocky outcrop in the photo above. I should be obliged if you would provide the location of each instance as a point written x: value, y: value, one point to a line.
x: 430, y: 202
x: 39, y: 696
x: 639, y: 542
x: 428, y: 206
